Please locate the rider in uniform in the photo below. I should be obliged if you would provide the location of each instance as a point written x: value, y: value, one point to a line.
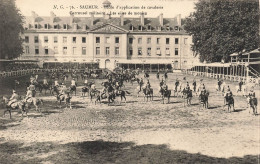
x: 14, y: 98
x: 56, y: 82
x: 148, y: 85
x: 29, y: 94
x: 63, y: 89
x: 45, y: 82
x: 188, y: 86
x: 73, y: 83
x: 251, y: 93
x: 33, y: 89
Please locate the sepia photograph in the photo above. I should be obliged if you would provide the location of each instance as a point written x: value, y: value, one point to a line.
x: 129, y: 81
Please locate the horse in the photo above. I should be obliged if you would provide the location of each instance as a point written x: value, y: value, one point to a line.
x: 252, y: 103
x: 229, y: 101
x: 16, y: 105
x: 33, y: 101
x: 122, y: 94
x: 73, y: 89
x: 187, y: 94
x: 148, y: 92
x: 165, y: 93
x: 66, y: 98
x: 203, y: 98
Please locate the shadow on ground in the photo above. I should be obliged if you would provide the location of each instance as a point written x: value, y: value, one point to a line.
x: 104, y: 152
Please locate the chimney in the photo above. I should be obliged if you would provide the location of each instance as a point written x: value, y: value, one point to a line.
x: 92, y: 19
x: 179, y: 20
x: 142, y: 19
x: 161, y: 19
x: 122, y: 19
x: 71, y: 19
x: 52, y: 17
x: 34, y: 16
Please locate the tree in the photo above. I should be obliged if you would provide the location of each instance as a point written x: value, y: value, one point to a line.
x: 11, y: 28
x: 222, y: 27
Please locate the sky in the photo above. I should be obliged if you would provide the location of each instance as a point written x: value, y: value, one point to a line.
x: 169, y: 8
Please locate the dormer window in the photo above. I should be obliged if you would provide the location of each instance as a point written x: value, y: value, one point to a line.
x: 46, y: 26
x: 36, y: 26
x: 131, y: 28
x: 168, y: 28
x: 65, y: 26
x: 56, y: 26
x: 176, y: 28
x: 86, y: 27
x: 149, y: 28
x: 159, y: 28
x: 140, y: 28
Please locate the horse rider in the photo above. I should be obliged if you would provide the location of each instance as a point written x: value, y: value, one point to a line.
x: 29, y: 94
x: 158, y: 75
x: 187, y: 86
x: 86, y: 82
x: 148, y: 85
x: 93, y: 87
x: 240, y: 85
x: 32, y: 79
x: 73, y: 83
x: 103, y: 91
x: 165, y: 75
x: 194, y: 85
x: 14, y: 98
x: 219, y: 84
x: 164, y: 86
x: 177, y: 83
x: 251, y: 93
x: 63, y: 89
x: 45, y: 81
x: 203, y: 90
x: 228, y: 93
x: 33, y: 89
x: 141, y: 84
x: 56, y: 82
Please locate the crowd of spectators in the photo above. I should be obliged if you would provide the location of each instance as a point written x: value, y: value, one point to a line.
x: 18, y: 66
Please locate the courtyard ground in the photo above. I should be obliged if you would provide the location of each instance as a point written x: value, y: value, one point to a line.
x: 135, y: 132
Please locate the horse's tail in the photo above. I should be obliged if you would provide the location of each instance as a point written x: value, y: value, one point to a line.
x: 127, y: 92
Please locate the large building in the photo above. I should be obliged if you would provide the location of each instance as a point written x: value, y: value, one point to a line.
x: 149, y: 43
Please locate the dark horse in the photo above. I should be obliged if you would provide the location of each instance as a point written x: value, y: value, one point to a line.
x: 253, y: 104
x: 229, y: 101
x: 165, y: 94
x: 204, y: 97
x: 187, y: 94
x: 122, y: 94
x: 148, y: 93
x: 73, y: 89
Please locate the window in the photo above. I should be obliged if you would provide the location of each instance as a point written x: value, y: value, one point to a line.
x: 140, y: 28
x: 158, y: 40
x: 74, y: 39
x: 168, y: 28
x: 130, y: 40
x: 117, y: 51
x: 107, y: 50
x: 159, y: 28
x: 74, y: 50
x: 149, y: 27
x: 84, y: 52
x: 26, y: 39
x: 167, y: 52
x: 107, y: 40
x: 97, y: 39
x: 36, y: 39
x: 36, y: 26
x: 131, y: 27
x: 55, y: 39
x: 65, y: 26
x: 117, y: 40
x: 55, y: 49
x: 148, y: 40
x: 176, y: 28
x: 185, y: 40
x: 139, y: 51
x: 46, y: 50
x: 149, y: 51
x: 130, y: 51
x: 176, y: 51
x: 36, y: 49
x: 46, y: 26
x: 64, y: 50
x: 64, y: 39
x: 27, y: 50
x: 45, y: 39
x: 176, y: 40
x: 97, y: 50
x: 56, y: 26
x: 139, y: 40
x: 167, y: 40
x: 83, y: 39
x: 158, y: 51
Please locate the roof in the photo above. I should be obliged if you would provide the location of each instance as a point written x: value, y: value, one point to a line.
x: 85, y: 23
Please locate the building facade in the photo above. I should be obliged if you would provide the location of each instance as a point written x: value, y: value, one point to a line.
x: 108, y: 41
